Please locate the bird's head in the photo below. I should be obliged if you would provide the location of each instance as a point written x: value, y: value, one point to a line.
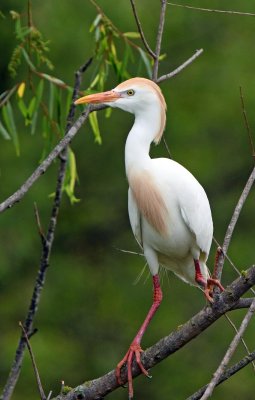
x: 136, y: 95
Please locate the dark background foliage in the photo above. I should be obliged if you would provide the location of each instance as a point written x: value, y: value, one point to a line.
x: 90, y: 308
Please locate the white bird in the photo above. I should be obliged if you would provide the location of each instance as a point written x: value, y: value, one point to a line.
x: 168, y: 209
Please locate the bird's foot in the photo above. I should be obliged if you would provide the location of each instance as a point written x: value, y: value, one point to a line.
x: 208, y: 290
x: 135, y: 351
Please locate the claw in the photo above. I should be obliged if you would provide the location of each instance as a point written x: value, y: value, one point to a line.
x: 209, y: 286
x: 134, y: 350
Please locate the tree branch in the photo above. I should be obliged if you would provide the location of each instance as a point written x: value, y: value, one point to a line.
x: 181, y: 67
x: 211, y: 10
x: 139, y: 26
x: 233, y: 222
x: 40, y: 170
x: 47, y: 241
x: 159, y: 40
x: 100, y: 387
x: 229, y: 372
x: 246, y: 123
x: 232, y: 347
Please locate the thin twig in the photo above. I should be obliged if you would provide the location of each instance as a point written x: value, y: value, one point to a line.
x: 242, y: 339
x: 39, y: 225
x: 181, y: 67
x: 139, y: 26
x: 211, y: 10
x: 167, y: 147
x: 246, y: 123
x: 233, y: 345
x: 231, y: 263
x: 37, y: 376
x: 47, y: 242
x: 233, y: 222
x: 159, y: 40
x: 40, y: 170
x: 227, y: 374
x: 99, y: 388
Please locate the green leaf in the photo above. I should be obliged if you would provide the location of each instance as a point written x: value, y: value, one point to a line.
x: 54, y: 80
x: 69, y: 98
x: 51, y: 100
x: 72, y: 169
x: 10, y: 124
x: 22, y: 107
x: 33, y: 122
x: 4, y: 132
x: 39, y: 93
x: 108, y: 112
x: 95, y: 23
x: 95, y: 127
x: 27, y: 58
x: 146, y: 61
x: 71, y: 177
x: 31, y: 107
x: 94, y: 82
x: 132, y: 35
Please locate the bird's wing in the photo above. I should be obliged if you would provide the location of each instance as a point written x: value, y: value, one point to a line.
x: 197, y: 216
x: 135, y: 218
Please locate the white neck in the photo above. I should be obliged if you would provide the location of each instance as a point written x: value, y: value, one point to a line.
x: 143, y: 132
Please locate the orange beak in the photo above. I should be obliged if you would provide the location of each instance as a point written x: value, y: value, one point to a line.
x: 97, y: 98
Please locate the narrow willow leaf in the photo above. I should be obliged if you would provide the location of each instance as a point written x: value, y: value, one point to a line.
x: 54, y: 80
x: 73, y: 171
x: 108, y: 112
x: 132, y: 35
x: 31, y: 107
x: 10, y: 124
x: 146, y: 62
x: 68, y: 103
x: 59, y: 112
x: 22, y: 108
x: 162, y: 56
x: 113, y: 50
x: 94, y: 82
x: 21, y: 89
x: 27, y: 58
x: 4, y: 132
x: 123, y: 69
x: 33, y: 122
x: 51, y: 100
x: 71, y: 177
x: 39, y: 93
x: 95, y: 23
x: 95, y: 127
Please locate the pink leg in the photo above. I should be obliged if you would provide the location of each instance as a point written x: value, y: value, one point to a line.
x: 206, y: 285
x: 135, y: 349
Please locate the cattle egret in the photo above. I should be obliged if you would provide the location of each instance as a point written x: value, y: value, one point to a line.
x: 168, y: 209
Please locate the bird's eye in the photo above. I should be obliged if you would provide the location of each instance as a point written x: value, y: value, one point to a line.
x: 130, y: 92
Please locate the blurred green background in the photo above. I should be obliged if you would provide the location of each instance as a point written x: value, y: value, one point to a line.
x: 90, y: 308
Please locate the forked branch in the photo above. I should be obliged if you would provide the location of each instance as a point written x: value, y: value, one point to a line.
x: 47, y: 243
x: 99, y: 388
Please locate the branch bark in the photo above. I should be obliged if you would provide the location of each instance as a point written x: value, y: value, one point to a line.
x: 47, y: 243
x: 139, y: 26
x: 181, y: 67
x: 229, y: 372
x: 100, y: 387
x: 233, y: 222
x: 159, y: 40
x: 232, y: 12
x: 232, y: 347
x: 42, y: 168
